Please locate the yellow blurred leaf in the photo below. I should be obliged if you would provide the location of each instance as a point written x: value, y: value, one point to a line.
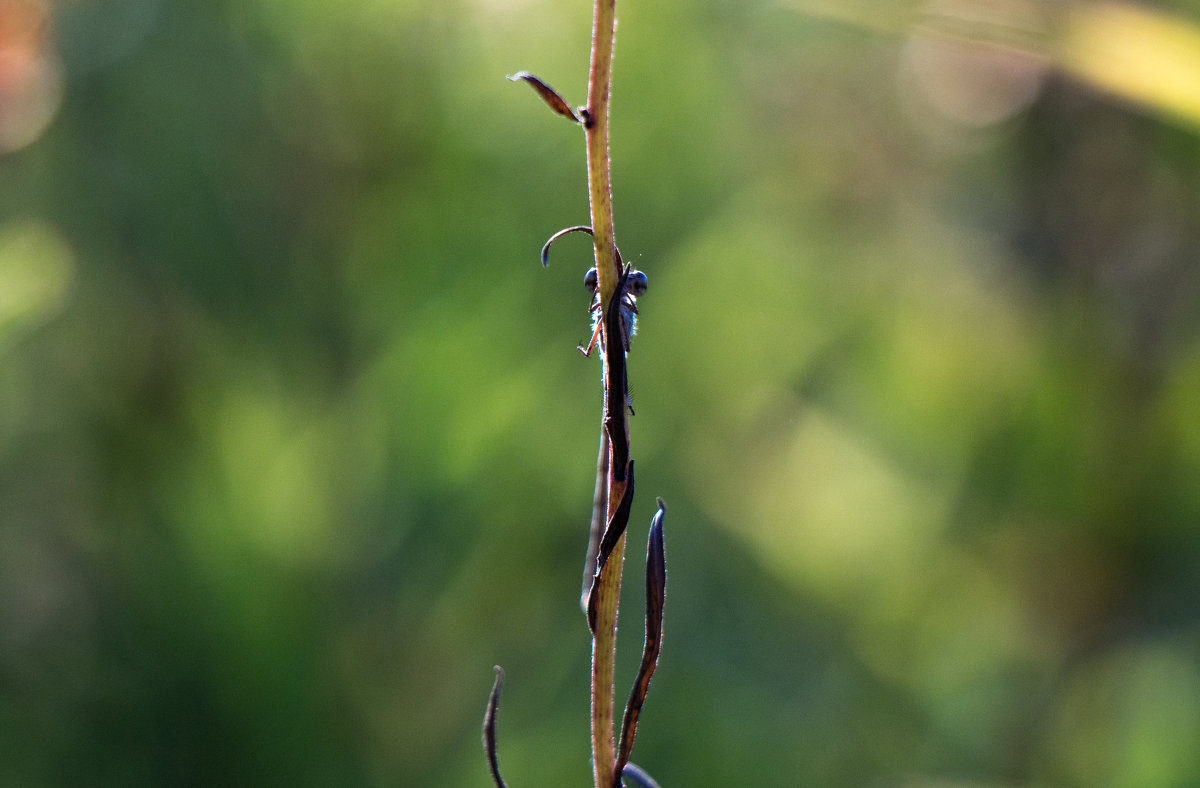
x: 1141, y: 55
x: 1138, y: 54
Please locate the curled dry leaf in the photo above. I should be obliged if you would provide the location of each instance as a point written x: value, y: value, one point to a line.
x: 656, y: 592
x: 548, y: 94
x: 619, y: 521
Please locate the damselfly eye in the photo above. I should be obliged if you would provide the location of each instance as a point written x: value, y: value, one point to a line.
x: 635, y: 283
x: 591, y: 280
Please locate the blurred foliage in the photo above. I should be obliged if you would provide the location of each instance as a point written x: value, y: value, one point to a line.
x: 295, y: 444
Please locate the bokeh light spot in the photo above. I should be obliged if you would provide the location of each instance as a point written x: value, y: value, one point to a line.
x: 30, y: 77
x: 36, y: 268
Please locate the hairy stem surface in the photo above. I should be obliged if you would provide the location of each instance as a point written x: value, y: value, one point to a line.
x: 608, y: 584
x: 604, y: 24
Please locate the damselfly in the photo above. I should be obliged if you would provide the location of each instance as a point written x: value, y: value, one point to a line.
x: 631, y: 285
x: 635, y: 285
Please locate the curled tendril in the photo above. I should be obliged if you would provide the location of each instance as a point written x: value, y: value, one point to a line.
x: 579, y: 228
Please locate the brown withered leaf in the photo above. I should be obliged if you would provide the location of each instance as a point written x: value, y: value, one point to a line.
x: 619, y: 521
x: 656, y: 591
x: 548, y: 94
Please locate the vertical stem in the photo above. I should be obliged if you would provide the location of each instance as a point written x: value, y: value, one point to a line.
x: 608, y: 584
x: 604, y: 25
x: 604, y: 644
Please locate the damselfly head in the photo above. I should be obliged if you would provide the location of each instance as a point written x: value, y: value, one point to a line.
x: 635, y: 282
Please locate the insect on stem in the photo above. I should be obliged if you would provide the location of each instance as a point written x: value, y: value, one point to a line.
x: 635, y: 285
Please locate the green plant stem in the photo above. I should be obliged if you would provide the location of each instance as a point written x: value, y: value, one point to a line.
x: 603, y: 658
x: 608, y: 585
x: 604, y: 25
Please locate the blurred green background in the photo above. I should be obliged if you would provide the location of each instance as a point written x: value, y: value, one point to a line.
x: 295, y: 443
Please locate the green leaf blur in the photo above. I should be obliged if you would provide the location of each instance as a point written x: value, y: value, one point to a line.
x: 295, y: 444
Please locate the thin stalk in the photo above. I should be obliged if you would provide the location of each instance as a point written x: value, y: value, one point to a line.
x: 604, y: 751
x: 608, y: 584
x: 604, y: 25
